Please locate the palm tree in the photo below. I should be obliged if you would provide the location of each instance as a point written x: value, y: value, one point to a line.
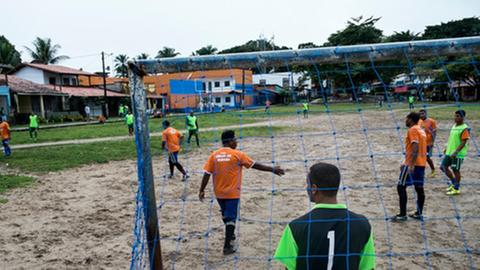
x: 44, y: 52
x: 142, y: 56
x: 403, y: 36
x: 8, y: 54
x: 207, y: 50
x: 121, y: 68
x: 167, y: 52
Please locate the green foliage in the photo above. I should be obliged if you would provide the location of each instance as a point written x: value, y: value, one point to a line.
x: 121, y: 68
x: 167, y: 52
x: 207, y: 50
x: 358, y: 31
x: 458, y: 28
x: 402, y: 36
x: 13, y: 181
x: 44, y: 52
x: 142, y: 56
x: 254, y: 46
x: 8, y: 54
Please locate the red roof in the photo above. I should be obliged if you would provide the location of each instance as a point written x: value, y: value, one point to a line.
x: 56, y: 69
x: 401, y: 89
x: 87, y: 92
x: 25, y: 87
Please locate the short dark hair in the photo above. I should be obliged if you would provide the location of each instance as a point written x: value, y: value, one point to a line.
x: 326, y: 177
x: 227, y: 136
x: 166, y: 123
x: 422, y: 110
x: 462, y: 113
x: 414, y: 116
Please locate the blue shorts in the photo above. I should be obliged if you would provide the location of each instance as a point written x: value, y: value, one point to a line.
x: 173, y: 157
x: 417, y: 178
x: 229, y: 209
x: 429, y: 150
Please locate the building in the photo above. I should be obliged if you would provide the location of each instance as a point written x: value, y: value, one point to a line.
x: 77, y: 85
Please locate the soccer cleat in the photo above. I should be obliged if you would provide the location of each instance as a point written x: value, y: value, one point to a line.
x: 450, y: 187
x: 433, y: 174
x: 399, y: 218
x: 416, y: 216
x: 453, y: 191
x: 170, y: 176
x: 185, y: 177
x: 229, y: 250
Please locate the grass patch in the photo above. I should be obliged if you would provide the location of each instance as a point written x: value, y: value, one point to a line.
x: 70, y: 156
x: 120, y: 128
x: 8, y: 182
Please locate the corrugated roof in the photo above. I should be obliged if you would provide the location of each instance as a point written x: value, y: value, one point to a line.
x: 88, y: 92
x: 25, y: 87
x: 55, y: 69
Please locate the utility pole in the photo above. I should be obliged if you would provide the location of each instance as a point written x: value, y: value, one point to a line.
x: 105, y: 106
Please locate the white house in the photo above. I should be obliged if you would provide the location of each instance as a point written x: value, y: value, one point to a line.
x: 282, y: 79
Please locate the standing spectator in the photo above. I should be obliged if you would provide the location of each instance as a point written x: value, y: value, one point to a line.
x: 267, y: 106
x: 5, y: 135
x: 33, y: 126
x: 129, y: 121
x: 305, y: 109
x: 87, y: 112
x: 411, y: 101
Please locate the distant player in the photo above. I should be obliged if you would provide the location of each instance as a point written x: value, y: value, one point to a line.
x: 225, y: 166
x: 411, y: 101
x: 305, y: 109
x: 129, y: 120
x: 171, y: 141
x: 329, y: 236
x: 429, y: 125
x: 457, y: 147
x: 267, y: 106
x: 33, y: 126
x: 412, y: 171
x: 5, y: 135
x: 192, y: 127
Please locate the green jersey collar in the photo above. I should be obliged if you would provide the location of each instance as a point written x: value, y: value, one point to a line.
x: 330, y: 206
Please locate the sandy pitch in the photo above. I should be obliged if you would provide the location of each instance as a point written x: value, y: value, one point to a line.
x: 83, y: 218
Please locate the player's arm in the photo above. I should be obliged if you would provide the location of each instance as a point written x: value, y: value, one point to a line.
x: 201, y: 193
x: 276, y: 170
x: 180, y: 139
x: 465, y: 137
x: 411, y: 163
x: 367, y: 256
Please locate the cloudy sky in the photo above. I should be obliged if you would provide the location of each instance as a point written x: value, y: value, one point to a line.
x: 84, y: 28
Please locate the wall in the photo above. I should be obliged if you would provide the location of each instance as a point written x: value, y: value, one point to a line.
x: 31, y: 74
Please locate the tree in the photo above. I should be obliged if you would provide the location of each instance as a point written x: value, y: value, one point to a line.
x: 461, y: 28
x: 8, y: 54
x: 403, y: 36
x: 254, y: 46
x: 358, y: 31
x: 207, y: 50
x: 121, y: 68
x: 307, y: 45
x: 142, y: 56
x: 167, y: 52
x: 44, y: 52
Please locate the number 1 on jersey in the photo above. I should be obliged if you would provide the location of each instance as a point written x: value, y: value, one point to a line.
x: 331, y: 249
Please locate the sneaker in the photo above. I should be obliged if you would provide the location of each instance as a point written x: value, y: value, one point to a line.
x: 450, y: 187
x: 416, y: 216
x: 433, y: 174
x: 399, y: 218
x: 453, y: 191
x: 229, y: 250
x: 185, y: 177
x: 170, y: 176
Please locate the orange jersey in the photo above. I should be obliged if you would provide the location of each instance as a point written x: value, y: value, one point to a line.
x: 225, y: 165
x: 5, y: 131
x: 172, y: 137
x: 430, y: 126
x: 416, y: 134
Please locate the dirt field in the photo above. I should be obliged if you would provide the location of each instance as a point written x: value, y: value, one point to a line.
x: 83, y: 218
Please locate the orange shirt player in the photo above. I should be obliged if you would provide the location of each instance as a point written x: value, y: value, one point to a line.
x: 412, y: 171
x: 171, y: 141
x: 225, y: 166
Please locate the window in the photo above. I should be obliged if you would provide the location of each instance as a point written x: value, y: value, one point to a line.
x: 209, y: 86
x: 204, y: 86
x: 218, y: 100
x: 66, y: 81
x: 285, y: 82
x: 227, y: 83
x: 227, y: 100
x: 263, y: 81
x: 52, y: 80
x: 216, y: 84
x: 74, y: 81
